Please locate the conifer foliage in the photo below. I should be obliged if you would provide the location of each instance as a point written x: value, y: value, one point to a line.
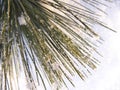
x: 47, y: 40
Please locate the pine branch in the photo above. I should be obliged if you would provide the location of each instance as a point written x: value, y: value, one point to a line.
x: 46, y: 38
